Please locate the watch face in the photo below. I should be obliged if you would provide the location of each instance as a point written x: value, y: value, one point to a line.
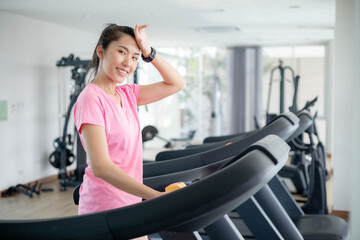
x: 151, y: 57
x: 152, y: 54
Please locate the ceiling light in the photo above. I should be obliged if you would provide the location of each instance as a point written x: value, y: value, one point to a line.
x: 217, y: 29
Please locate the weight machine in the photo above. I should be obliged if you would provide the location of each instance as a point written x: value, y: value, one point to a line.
x: 64, y: 156
x: 294, y: 79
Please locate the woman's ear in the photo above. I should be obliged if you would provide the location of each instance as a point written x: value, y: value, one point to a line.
x: 100, y: 52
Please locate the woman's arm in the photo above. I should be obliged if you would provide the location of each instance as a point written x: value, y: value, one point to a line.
x: 173, y: 81
x: 102, y: 167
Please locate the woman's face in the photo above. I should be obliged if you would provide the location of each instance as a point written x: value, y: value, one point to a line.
x: 120, y: 58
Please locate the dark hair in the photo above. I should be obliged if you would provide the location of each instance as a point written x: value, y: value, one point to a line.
x: 112, y: 32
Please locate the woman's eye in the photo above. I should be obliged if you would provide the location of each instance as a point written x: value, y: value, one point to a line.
x: 121, y: 51
x: 135, y: 58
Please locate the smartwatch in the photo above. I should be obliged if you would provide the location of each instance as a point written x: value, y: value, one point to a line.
x: 151, y: 57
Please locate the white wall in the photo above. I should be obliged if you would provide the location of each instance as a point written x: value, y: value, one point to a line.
x: 328, y: 88
x: 355, y: 190
x: 345, y: 104
x: 29, y: 49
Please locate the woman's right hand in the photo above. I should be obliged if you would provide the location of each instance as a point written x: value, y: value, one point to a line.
x: 159, y: 194
x: 142, y: 39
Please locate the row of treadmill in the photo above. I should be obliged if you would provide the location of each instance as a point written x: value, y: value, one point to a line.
x: 238, y: 187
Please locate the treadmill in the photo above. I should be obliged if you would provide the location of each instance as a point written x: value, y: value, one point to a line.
x: 286, y: 213
x: 177, y: 215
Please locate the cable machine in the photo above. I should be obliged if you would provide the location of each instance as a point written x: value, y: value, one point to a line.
x: 63, y: 155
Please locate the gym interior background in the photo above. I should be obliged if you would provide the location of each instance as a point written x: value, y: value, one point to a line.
x: 211, y: 43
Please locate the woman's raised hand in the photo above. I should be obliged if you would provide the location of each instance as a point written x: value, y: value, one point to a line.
x: 142, y: 39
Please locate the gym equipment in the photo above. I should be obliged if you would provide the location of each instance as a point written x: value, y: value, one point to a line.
x: 260, y: 222
x: 270, y: 117
x: 310, y: 226
x: 283, y: 125
x: 320, y: 149
x: 294, y: 79
x: 186, y: 140
x: 28, y: 190
x: 274, y: 206
x: 212, y: 139
x: 307, y: 177
x: 296, y: 176
x: 150, y: 132
x: 278, y: 205
x: 55, y: 157
x: 217, y: 230
x: 63, y: 156
x: 185, y: 210
x: 316, y: 202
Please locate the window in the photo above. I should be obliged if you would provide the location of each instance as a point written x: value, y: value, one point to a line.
x: 198, y: 106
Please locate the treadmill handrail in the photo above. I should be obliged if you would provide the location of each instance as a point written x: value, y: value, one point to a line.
x: 187, y: 209
x: 282, y: 127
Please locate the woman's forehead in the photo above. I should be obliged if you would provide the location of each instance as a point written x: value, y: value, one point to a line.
x: 127, y: 42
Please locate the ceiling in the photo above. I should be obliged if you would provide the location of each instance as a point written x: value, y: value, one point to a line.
x: 194, y: 22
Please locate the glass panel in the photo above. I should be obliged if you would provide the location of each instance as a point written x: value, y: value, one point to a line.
x: 199, y: 106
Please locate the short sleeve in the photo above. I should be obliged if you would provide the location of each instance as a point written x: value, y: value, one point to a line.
x: 135, y: 89
x: 88, y: 110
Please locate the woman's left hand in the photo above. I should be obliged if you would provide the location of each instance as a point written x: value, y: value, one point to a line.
x: 142, y: 39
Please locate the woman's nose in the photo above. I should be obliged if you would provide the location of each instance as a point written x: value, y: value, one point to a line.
x: 126, y: 61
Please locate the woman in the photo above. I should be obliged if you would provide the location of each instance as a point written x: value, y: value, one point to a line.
x: 106, y: 118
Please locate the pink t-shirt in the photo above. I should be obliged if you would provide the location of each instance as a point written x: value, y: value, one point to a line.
x: 124, y: 142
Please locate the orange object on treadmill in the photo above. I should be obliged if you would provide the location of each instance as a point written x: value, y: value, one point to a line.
x: 175, y: 186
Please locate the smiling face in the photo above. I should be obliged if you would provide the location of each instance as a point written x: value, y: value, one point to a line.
x: 119, y: 59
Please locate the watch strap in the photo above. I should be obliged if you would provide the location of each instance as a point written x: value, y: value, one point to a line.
x: 151, y: 57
